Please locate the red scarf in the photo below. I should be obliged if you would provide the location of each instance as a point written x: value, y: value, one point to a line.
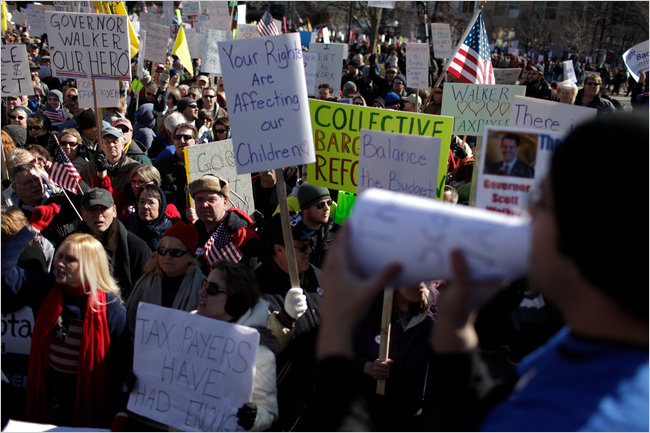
x: 93, y: 404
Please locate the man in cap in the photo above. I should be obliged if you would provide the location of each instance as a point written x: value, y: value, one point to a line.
x: 536, y: 85
x: 225, y: 233
x: 412, y: 102
x: 133, y: 148
x: 190, y: 109
x: 203, y: 82
x: 399, y: 85
x: 315, y: 205
x: 127, y: 252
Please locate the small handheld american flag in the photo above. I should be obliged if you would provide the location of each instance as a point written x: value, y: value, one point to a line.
x: 472, y: 63
x: 266, y: 26
x: 221, y: 247
x: 63, y: 173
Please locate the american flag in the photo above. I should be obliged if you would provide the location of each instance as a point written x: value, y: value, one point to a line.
x: 63, y: 172
x: 221, y: 247
x: 472, y: 61
x: 266, y: 26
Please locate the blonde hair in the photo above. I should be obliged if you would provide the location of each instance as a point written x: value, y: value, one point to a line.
x: 73, y: 132
x: 94, y: 268
x: 13, y: 219
x: 570, y: 86
x: 152, y: 267
x: 147, y: 172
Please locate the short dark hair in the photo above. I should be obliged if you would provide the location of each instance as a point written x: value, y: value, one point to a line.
x: 326, y: 86
x: 242, y: 288
x: 195, y: 132
x: 514, y: 137
x: 19, y: 168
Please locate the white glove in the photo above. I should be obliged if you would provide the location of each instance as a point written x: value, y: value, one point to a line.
x: 295, y: 303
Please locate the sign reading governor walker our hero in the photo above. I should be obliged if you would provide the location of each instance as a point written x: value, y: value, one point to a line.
x: 337, y: 128
x: 267, y: 102
x: 89, y: 45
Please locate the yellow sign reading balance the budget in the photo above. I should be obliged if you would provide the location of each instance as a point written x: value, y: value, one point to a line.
x: 336, y: 128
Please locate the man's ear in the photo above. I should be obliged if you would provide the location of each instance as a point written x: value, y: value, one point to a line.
x: 277, y: 249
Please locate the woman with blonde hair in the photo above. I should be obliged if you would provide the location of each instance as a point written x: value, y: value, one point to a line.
x: 80, y: 342
x: 566, y: 92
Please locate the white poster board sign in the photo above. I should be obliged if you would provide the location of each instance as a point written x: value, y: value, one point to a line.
x: 398, y: 162
x: 549, y: 116
x: 636, y: 59
x: 219, y: 15
x: 157, y: 42
x: 527, y: 153
x: 193, y: 372
x: 417, y: 66
x: 218, y: 158
x: 17, y: 331
x: 441, y: 38
x: 310, y: 60
x: 267, y: 96
x: 506, y: 75
x: 381, y: 4
x: 108, y: 93
x: 247, y: 31
x: 329, y: 65
x: 569, y: 71
x: 419, y: 233
x: 16, y: 78
x: 194, y: 42
x: 89, y: 45
x: 35, y: 16
x: 210, y: 56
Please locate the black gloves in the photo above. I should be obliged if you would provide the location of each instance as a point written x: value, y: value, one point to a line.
x: 161, y: 101
x: 247, y: 414
x: 101, y: 163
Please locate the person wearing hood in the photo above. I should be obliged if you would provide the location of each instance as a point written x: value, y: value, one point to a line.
x: 54, y: 109
x: 17, y: 133
x: 149, y: 221
x: 143, y: 128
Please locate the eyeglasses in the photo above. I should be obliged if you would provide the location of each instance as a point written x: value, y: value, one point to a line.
x: 73, y: 97
x: 398, y: 82
x: 68, y: 143
x: 212, y: 288
x: 193, y: 106
x: 12, y: 117
x: 220, y: 131
x: 323, y: 203
x: 592, y: 83
x: 185, y: 137
x: 304, y: 248
x: 210, y: 96
x: 175, y: 252
x: 34, y: 128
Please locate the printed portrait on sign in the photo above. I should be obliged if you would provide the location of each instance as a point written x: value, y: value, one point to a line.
x: 511, y: 154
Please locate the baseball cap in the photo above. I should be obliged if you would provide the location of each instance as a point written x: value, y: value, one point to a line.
x: 96, y: 196
x: 112, y: 131
x: 122, y: 121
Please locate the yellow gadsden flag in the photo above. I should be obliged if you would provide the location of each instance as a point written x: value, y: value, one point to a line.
x: 117, y: 7
x: 182, y: 50
x: 5, y: 16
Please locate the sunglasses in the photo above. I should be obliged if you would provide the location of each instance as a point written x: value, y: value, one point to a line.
x: 212, y: 288
x: 323, y: 203
x: 69, y: 143
x: 34, y: 128
x: 592, y: 83
x: 73, y: 97
x: 193, y: 106
x: 210, y: 96
x: 398, y: 82
x: 17, y: 117
x: 304, y: 248
x: 220, y: 131
x: 175, y: 252
x: 185, y: 137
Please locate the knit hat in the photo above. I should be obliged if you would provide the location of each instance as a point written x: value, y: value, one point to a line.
x: 212, y: 183
x: 380, y: 100
x: 349, y: 87
x: 172, y: 72
x: 400, y: 77
x: 392, y: 98
x: 185, y: 233
x: 309, y: 195
x: 184, y: 103
x: 86, y: 119
x: 144, y: 117
x: 56, y: 93
x: 17, y: 133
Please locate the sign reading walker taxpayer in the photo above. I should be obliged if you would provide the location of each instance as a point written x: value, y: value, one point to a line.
x: 267, y: 102
x: 193, y: 372
x: 475, y: 106
x: 16, y: 79
x: 513, y: 162
x: 89, y: 45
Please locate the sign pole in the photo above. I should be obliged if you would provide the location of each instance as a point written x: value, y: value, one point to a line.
x: 281, y: 188
x: 98, y: 119
x: 384, y: 343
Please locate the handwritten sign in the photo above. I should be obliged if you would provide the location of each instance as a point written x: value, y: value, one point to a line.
x: 476, y: 105
x: 219, y: 15
x: 16, y: 79
x: 108, y: 93
x: 218, y: 158
x: 329, y: 65
x: 398, y: 162
x: 419, y: 233
x: 17, y: 331
x: 194, y: 41
x: 89, y: 45
x: 636, y: 59
x: 569, y: 71
x: 35, y: 16
x: 156, y: 43
x: 210, y: 58
x: 506, y: 75
x: 193, y: 372
x: 441, y: 38
x: 548, y: 115
x: 267, y: 102
x: 247, y: 31
x: 337, y: 129
x: 529, y: 154
x: 417, y: 66
x: 310, y: 60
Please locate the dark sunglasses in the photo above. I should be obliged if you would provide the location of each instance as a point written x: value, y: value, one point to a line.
x: 187, y: 137
x: 175, y: 252
x: 12, y: 117
x: 303, y: 249
x: 210, y: 96
x: 73, y: 97
x: 323, y: 203
x: 592, y: 83
x: 398, y: 82
x: 69, y: 143
x: 220, y: 131
x: 193, y: 106
x: 34, y: 128
x: 212, y: 288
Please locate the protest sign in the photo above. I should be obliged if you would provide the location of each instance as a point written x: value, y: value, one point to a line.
x: 417, y: 66
x: 344, y: 205
x: 218, y: 158
x: 419, y: 233
x: 550, y: 116
x: 310, y: 60
x: 89, y: 45
x: 528, y: 154
x: 35, y: 16
x: 194, y: 42
x: 336, y: 137
x: 636, y: 59
x: 475, y: 106
x: 193, y: 372
x: 17, y: 331
x: 267, y: 96
x: 16, y: 78
x: 157, y: 42
x: 506, y: 75
x: 381, y: 4
x: 191, y: 11
x: 441, y: 38
x: 247, y: 31
x: 398, y: 162
x: 108, y: 93
x: 210, y: 58
x: 219, y: 15
x: 329, y: 65
x: 569, y: 72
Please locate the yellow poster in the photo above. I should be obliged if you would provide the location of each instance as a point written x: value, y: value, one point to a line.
x: 336, y: 128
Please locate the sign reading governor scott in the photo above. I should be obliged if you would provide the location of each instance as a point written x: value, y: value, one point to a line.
x: 336, y: 137
x: 476, y: 105
x: 89, y: 45
x: 267, y: 96
x: 193, y: 372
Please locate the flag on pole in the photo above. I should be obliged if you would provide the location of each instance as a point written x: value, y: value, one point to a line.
x: 63, y: 173
x: 221, y: 247
x: 472, y: 63
x: 266, y: 26
x: 182, y: 50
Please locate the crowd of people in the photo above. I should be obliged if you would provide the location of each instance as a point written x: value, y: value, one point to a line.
x: 83, y: 260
